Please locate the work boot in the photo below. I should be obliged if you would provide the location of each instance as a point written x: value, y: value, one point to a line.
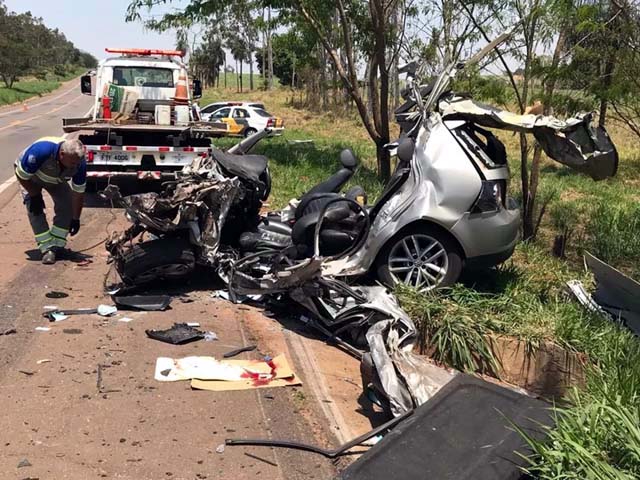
x: 49, y: 257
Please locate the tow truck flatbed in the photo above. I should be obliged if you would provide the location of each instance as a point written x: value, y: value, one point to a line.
x: 208, y: 129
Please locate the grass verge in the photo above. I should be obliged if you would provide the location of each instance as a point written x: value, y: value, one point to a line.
x: 25, y: 89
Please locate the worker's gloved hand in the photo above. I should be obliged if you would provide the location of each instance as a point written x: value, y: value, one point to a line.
x: 74, y: 227
x: 36, y: 204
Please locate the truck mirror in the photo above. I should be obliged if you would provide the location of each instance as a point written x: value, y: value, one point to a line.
x: 197, y: 89
x: 85, y: 85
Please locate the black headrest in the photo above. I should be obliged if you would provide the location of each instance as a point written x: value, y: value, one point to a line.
x: 405, y: 149
x: 348, y: 159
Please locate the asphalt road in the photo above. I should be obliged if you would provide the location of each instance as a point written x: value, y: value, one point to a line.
x: 70, y: 422
x: 42, y: 117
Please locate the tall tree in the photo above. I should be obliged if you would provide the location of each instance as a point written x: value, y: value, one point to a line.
x: 370, y: 23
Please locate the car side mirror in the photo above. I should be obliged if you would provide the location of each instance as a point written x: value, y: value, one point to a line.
x: 85, y: 85
x: 197, y: 89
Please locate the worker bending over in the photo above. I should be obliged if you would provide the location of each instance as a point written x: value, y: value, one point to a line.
x: 48, y: 164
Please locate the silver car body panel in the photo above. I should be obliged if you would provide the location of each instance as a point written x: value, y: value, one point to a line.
x: 442, y: 186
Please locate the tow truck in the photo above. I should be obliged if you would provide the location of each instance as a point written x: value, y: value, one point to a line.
x: 143, y: 123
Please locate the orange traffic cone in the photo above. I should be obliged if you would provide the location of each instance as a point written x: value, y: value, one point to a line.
x: 182, y: 93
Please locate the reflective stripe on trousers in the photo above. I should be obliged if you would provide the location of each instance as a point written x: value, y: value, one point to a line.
x: 56, y: 236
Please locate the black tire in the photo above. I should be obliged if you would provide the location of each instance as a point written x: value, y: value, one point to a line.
x: 249, y: 131
x: 167, y: 258
x: 450, y: 248
x: 265, y: 178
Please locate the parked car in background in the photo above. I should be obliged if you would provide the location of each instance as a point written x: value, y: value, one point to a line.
x: 244, y: 120
x: 207, y: 110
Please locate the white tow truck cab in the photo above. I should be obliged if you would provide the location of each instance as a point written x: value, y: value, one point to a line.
x: 142, y: 123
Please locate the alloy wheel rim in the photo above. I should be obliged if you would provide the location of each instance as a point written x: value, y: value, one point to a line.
x: 418, y: 260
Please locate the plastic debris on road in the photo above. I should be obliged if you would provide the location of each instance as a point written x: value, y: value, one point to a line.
x: 179, y: 334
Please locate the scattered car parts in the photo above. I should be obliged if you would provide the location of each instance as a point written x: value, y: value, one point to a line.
x: 329, y: 453
x: 143, y: 302
x: 470, y: 430
x: 179, y: 334
x: 617, y: 296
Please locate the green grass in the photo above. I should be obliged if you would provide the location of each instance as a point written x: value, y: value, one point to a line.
x: 28, y: 88
x: 295, y: 168
x: 218, y: 93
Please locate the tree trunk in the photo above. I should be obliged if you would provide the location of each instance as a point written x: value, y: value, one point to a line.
x: 225, y: 69
x: 549, y: 85
x: 250, y: 72
x: 528, y: 200
x: 293, y: 74
x: 381, y: 112
x: 383, y: 160
x: 269, y: 51
x: 264, y: 53
x: 323, y: 77
x: 610, y: 62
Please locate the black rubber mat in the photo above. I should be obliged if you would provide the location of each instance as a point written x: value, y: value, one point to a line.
x: 464, y: 432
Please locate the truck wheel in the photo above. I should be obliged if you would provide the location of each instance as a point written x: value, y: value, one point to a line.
x: 249, y: 131
x: 423, y: 257
x: 163, y: 259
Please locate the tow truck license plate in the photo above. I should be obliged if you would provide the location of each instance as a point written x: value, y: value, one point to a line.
x: 114, y: 157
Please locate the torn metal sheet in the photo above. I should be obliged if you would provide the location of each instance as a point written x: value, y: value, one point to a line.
x: 465, y: 432
x: 574, y: 142
x: 616, y: 293
x: 577, y: 289
x: 198, y: 203
x: 364, y: 317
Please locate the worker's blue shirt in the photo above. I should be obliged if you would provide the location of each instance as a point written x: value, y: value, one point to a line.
x: 40, y: 159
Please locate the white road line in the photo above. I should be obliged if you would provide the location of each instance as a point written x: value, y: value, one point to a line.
x: 5, y: 114
x: 302, y: 348
x: 7, y: 183
x: 20, y: 122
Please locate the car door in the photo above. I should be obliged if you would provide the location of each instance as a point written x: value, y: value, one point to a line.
x: 205, y: 112
x: 224, y: 115
x: 241, y: 118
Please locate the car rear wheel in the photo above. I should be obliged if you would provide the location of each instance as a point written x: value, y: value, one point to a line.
x: 422, y: 257
x: 249, y: 131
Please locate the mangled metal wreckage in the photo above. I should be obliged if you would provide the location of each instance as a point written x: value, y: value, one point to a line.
x: 211, y: 216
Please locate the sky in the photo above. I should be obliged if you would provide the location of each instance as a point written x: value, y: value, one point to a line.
x: 93, y: 25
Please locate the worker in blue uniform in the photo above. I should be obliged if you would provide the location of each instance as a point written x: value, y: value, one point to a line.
x: 48, y: 164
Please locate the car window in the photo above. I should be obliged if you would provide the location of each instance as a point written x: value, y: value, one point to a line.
x: 143, y: 77
x: 257, y: 105
x: 209, y: 108
x: 240, y: 113
x: 262, y: 112
x: 222, y: 113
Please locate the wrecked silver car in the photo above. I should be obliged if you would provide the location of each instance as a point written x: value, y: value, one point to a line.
x: 445, y: 206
